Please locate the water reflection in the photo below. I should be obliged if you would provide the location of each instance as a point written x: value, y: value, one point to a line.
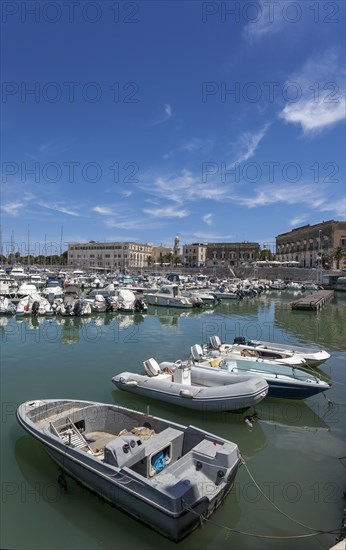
x: 173, y: 316
x: 284, y: 412
x: 325, y: 327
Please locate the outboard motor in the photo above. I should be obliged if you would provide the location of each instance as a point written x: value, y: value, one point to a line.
x: 240, y: 293
x: 139, y: 305
x: 77, y: 309
x: 108, y: 302
x: 35, y: 307
x: 239, y: 340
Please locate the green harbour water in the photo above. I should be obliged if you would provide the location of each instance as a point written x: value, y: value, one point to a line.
x: 295, y: 452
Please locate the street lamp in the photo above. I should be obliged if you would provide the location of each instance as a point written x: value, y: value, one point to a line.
x: 319, y: 258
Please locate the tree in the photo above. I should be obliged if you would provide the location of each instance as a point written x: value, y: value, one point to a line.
x: 339, y: 255
x: 176, y: 260
x: 266, y: 254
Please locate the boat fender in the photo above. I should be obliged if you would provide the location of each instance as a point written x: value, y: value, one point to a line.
x: 131, y: 383
x: 186, y: 393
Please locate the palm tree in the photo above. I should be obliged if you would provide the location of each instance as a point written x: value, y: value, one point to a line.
x: 339, y: 255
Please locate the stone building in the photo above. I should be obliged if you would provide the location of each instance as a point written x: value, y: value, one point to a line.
x: 160, y: 253
x: 194, y: 255
x: 311, y: 244
x: 109, y: 256
x: 232, y: 254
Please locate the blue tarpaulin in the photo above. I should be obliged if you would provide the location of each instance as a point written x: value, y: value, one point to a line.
x: 159, y: 461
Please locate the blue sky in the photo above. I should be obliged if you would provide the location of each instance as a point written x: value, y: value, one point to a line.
x: 137, y: 121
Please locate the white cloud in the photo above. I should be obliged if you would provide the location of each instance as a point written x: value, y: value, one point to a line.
x: 299, y: 220
x: 320, y: 91
x: 208, y: 219
x: 103, y: 210
x: 167, y: 114
x: 186, y: 187
x: 13, y: 208
x: 305, y: 194
x: 168, y: 110
x: 59, y: 208
x: 197, y: 144
x: 167, y: 212
x: 126, y: 194
x: 126, y: 224
x: 266, y: 18
x: 248, y: 143
x: 337, y: 207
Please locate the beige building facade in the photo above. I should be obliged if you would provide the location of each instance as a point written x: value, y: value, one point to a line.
x: 109, y: 256
x: 194, y: 255
x: 232, y: 254
x: 312, y: 244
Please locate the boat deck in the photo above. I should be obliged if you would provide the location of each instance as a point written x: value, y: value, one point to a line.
x: 98, y: 440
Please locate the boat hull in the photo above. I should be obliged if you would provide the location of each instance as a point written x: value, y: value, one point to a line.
x: 173, y: 501
x: 175, y: 527
x: 288, y: 383
x: 213, y: 391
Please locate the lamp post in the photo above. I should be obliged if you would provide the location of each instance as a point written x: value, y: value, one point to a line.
x: 319, y: 258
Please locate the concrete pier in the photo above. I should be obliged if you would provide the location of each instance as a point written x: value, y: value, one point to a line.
x: 313, y: 301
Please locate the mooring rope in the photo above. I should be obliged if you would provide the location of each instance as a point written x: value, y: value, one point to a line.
x: 316, y: 532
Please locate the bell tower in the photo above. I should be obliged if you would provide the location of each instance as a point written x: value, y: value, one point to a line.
x: 176, y: 249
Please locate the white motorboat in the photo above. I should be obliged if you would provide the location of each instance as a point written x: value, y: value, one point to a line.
x: 312, y: 356
x: 241, y: 348
x: 170, y: 477
x: 53, y: 290
x: 72, y: 307
x: 277, y: 284
x: 283, y: 380
x: 181, y: 383
x: 6, y: 306
x: 168, y: 295
x: 34, y: 304
x: 128, y: 302
x: 17, y: 272
x: 25, y: 289
x: 224, y: 293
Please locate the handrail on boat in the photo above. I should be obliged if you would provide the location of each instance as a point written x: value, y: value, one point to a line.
x: 77, y: 432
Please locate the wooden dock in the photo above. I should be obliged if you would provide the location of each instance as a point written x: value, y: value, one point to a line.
x: 313, y: 301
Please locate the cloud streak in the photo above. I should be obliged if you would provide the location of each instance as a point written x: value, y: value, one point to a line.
x: 167, y: 212
x: 248, y: 143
